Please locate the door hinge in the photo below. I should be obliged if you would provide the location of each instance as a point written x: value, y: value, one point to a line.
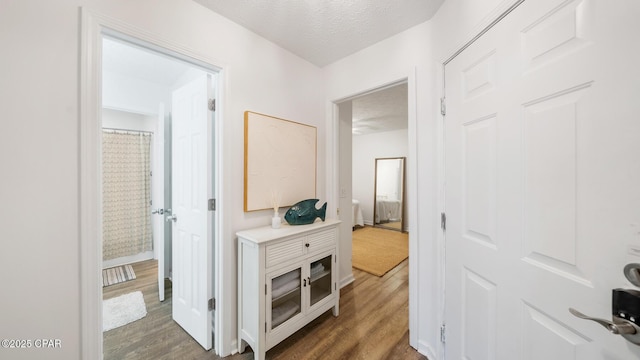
x: 442, y: 333
x: 212, y: 204
x: 265, y: 326
x: 443, y: 221
x: 212, y: 304
x: 212, y: 104
x: 265, y: 289
x: 443, y: 106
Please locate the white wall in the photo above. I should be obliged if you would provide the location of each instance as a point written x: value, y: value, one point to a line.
x: 405, y: 56
x: 345, y: 202
x: 39, y: 148
x: 133, y: 94
x: 461, y: 19
x: 366, y: 148
x: 117, y: 119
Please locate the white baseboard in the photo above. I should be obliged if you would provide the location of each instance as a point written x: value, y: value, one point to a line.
x: 234, y: 347
x: 347, y: 280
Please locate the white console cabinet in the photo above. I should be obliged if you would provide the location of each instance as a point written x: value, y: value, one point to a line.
x: 286, y: 278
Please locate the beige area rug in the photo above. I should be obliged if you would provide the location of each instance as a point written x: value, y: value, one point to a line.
x: 118, y: 274
x: 377, y: 251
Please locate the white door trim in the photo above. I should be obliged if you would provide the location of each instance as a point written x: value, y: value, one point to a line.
x: 333, y: 182
x: 157, y: 196
x: 93, y: 27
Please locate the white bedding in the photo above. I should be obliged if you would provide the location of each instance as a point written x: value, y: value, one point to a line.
x: 388, y: 210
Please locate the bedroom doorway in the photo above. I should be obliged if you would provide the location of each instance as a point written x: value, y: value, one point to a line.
x: 379, y: 130
x: 373, y: 126
x: 379, y: 148
x: 348, y: 168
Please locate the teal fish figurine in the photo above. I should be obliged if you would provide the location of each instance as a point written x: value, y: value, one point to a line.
x: 305, y: 212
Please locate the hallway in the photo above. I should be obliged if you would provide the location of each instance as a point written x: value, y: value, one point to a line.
x: 373, y: 324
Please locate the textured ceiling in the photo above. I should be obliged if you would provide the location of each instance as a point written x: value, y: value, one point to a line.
x: 383, y: 110
x: 323, y: 31
x: 320, y: 36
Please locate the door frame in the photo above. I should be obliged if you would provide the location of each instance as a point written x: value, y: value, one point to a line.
x: 159, y: 146
x: 93, y: 27
x: 333, y: 184
x: 495, y: 16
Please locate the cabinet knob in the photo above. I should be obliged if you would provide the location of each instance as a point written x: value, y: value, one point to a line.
x: 306, y: 244
x: 304, y: 284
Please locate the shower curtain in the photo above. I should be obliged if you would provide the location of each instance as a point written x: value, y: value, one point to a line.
x: 126, y: 194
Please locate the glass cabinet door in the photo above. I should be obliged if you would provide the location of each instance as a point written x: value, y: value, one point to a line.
x: 320, y: 279
x: 286, y: 297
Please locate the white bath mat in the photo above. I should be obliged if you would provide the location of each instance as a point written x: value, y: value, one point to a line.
x: 122, y: 310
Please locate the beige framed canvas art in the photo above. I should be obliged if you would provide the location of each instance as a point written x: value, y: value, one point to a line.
x: 279, y: 162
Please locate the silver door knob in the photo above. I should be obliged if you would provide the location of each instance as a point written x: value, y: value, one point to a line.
x: 173, y: 218
x: 619, y: 326
x: 618, y: 329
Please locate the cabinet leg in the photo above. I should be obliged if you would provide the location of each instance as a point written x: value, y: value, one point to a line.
x: 336, y: 310
x: 242, y: 346
x: 259, y: 354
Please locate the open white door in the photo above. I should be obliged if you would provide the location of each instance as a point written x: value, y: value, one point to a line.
x: 192, y: 186
x: 157, y: 196
x: 542, y: 182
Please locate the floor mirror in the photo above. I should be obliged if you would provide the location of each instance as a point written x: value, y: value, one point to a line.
x: 388, y: 209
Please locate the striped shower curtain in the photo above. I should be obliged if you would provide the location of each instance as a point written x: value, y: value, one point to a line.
x: 126, y: 194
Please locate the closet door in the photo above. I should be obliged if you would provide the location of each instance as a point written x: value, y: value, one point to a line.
x: 542, y: 174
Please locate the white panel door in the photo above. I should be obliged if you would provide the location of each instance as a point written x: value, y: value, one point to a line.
x: 542, y: 196
x: 157, y: 191
x: 192, y: 186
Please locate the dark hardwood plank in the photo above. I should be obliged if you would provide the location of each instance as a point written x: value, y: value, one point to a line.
x: 373, y: 324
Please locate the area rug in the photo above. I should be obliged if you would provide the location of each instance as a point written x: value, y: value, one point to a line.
x: 122, y: 310
x: 117, y: 275
x: 377, y: 251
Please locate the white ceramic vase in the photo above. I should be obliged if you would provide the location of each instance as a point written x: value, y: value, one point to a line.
x: 276, y: 221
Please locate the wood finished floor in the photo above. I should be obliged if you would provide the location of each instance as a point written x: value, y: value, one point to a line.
x: 373, y: 324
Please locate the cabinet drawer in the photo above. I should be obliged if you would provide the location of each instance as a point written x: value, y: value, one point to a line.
x: 322, y: 240
x: 284, y: 250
